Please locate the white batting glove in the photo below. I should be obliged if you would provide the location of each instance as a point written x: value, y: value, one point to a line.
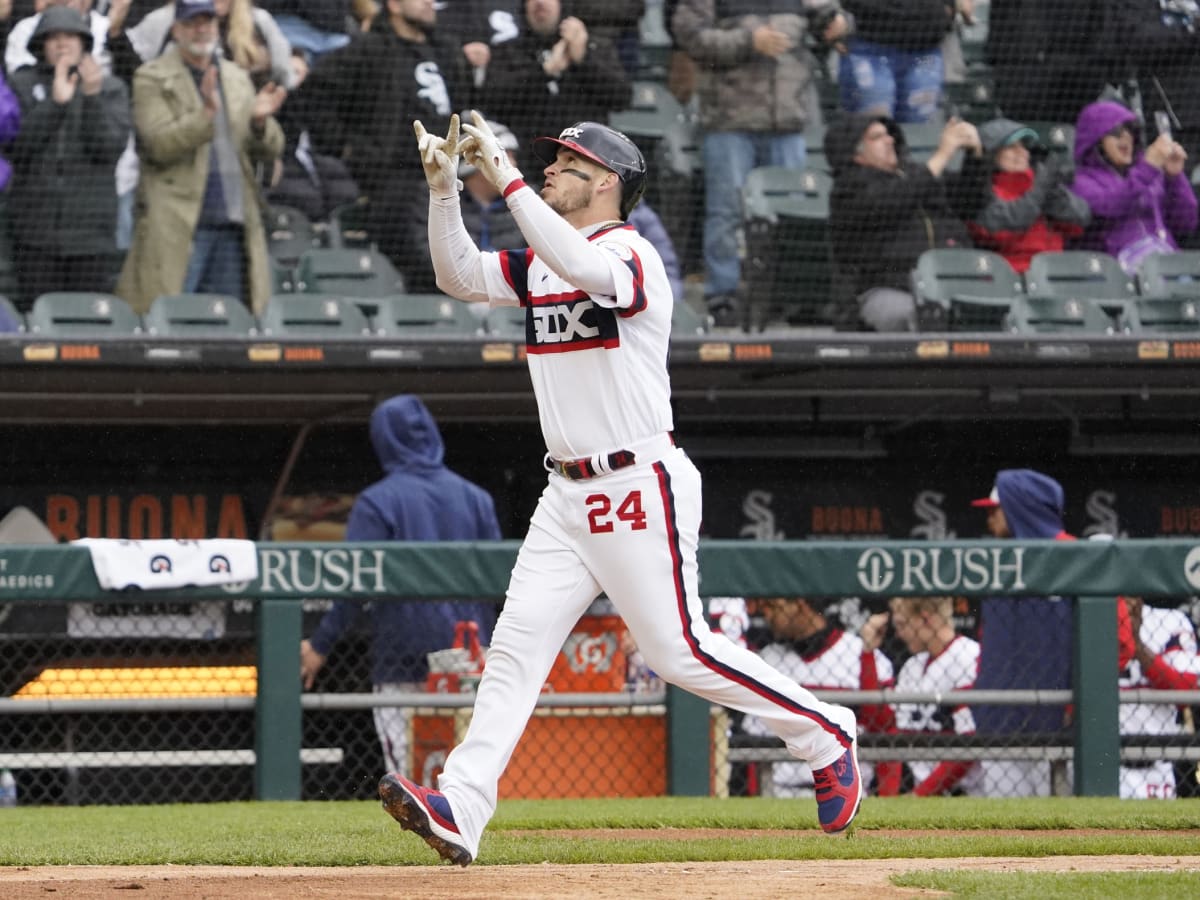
x: 484, y: 152
x: 439, y: 158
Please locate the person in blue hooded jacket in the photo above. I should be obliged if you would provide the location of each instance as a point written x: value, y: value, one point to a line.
x: 418, y: 499
x: 1025, y: 642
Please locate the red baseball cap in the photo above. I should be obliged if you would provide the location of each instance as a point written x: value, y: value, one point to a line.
x: 991, y: 501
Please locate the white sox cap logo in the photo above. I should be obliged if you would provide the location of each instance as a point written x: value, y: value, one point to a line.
x: 571, y: 133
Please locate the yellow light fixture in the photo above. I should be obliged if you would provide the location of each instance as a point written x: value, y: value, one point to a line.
x: 141, y: 683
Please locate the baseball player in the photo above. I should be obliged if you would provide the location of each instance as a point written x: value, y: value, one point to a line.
x: 813, y: 649
x: 942, y: 660
x: 621, y: 509
x: 1165, y: 658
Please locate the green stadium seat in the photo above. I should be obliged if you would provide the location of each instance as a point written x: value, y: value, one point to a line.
x: 283, y: 277
x: 1170, y: 274
x: 922, y: 139
x: 1081, y: 275
x: 652, y: 112
x: 786, y: 271
x: 289, y: 234
x: 198, y: 315
x: 1162, y: 314
x: 348, y: 225
x: 507, y: 322
x: 686, y: 322
x: 82, y: 314
x: 313, y: 316
x: 424, y: 315
x: 348, y: 271
x: 963, y: 289
x: 1059, y: 137
x: 1057, y: 315
x: 972, y: 99
x: 654, y: 43
x: 973, y: 35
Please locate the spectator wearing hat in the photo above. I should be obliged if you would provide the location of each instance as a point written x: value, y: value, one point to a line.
x: 248, y: 35
x: 18, y: 53
x: 1015, y: 197
x: 201, y: 130
x: 75, y: 123
x: 1025, y: 642
x: 884, y: 211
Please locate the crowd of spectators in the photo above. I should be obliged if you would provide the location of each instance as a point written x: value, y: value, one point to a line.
x: 309, y: 103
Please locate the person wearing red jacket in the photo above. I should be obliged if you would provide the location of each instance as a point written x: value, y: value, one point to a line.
x: 1014, y: 197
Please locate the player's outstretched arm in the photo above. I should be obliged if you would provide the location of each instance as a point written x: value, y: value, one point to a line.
x: 456, y: 259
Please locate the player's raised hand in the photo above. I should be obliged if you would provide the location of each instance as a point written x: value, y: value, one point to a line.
x: 439, y: 157
x: 483, y: 151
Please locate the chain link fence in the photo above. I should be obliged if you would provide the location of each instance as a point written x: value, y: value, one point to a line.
x: 154, y: 703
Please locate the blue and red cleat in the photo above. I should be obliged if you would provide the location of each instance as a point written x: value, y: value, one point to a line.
x: 426, y: 813
x: 839, y: 791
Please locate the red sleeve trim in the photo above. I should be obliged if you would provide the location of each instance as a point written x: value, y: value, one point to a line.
x: 875, y: 717
x: 515, y: 185
x: 1162, y: 676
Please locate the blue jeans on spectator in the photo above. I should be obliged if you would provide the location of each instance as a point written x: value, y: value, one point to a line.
x: 303, y: 35
x: 728, y: 158
x: 904, y: 84
x: 218, y: 257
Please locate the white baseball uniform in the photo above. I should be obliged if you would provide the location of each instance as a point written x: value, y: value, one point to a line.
x: 837, y: 665
x: 598, y: 322
x: 1167, y: 633
x: 953, y: 669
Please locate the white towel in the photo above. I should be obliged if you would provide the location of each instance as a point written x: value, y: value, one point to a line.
x: 170, y: 564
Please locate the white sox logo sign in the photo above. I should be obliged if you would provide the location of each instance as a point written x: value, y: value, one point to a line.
x: 941, y: 569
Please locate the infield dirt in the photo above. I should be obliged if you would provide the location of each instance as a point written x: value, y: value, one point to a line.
x: 760, y: 880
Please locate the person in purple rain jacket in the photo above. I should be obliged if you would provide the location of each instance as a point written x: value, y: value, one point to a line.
x: 1141, y: 199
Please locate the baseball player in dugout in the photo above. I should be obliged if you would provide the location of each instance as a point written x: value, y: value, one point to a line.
x: 621, y: 509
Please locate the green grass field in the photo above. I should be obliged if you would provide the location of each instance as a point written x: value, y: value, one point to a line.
x: 530, y: 832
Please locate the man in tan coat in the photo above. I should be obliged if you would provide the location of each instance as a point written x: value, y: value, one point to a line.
x: 201, y: 129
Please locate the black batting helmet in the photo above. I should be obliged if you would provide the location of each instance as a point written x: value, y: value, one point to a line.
x: 606, y: 147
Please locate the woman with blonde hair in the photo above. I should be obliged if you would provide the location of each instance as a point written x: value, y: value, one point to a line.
x: 249, y: 36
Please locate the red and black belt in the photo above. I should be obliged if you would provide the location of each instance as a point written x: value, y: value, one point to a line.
x: 582, y: 469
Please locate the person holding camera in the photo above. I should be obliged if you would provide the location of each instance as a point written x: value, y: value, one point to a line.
x: 1141, y: 199
x: 1014, y: 197
x: 74, y: 126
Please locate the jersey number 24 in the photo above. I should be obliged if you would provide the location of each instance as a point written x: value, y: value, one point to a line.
x: 600, y: 507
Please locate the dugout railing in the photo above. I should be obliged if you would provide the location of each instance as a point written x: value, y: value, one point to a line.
x: 1093, y: 573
